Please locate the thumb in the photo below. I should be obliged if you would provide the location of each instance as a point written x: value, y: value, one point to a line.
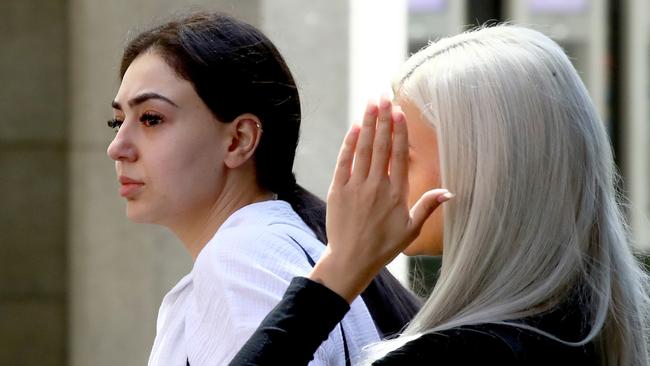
x: 425, y: 206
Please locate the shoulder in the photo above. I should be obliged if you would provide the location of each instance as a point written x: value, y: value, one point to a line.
x: 255, y: 255
x: 239, y: 276
x: 249, y: 239
x: 269, y: 228
x: 486, y: 343
x: 457, y: 345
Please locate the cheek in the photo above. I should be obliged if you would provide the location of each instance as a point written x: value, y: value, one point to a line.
x: 421, y: 179
x: 429, y: 242
x: 187, y: 173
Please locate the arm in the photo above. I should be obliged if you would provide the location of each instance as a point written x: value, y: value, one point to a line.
x: 295, y: 328
x: 360, y: 244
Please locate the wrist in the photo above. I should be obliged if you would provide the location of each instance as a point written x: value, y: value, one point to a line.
x: 342, y: 275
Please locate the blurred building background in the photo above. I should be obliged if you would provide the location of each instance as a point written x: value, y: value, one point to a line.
x: 80, y: 285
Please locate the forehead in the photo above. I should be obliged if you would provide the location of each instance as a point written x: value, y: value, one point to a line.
x: 150, y: 73
x: 411, y: 111
x: 420, y: 129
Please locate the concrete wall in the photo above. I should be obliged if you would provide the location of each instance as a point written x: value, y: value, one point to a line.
x: 33, y: 179
x: 313, y: 36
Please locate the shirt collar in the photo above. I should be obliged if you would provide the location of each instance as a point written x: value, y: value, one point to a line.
x: 264, y: 213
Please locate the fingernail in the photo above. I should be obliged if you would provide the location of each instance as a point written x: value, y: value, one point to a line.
x: 384, y: 102
x: 371, y: 108
x: 445, y: 197
x: 398, y: 118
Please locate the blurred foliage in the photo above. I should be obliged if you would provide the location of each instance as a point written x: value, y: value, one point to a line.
x: 646, y: 260
x: 423, y: 273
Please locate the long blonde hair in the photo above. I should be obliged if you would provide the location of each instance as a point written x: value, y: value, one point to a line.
x: 536, y: 214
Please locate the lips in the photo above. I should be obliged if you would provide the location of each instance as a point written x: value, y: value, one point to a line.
x: 129, y: 187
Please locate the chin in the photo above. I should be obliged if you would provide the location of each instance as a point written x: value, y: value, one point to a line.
x: 139, y: 214
x: 421, y: 247
x: 413, y: 250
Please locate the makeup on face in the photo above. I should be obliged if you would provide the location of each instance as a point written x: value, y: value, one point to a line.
x: 165, y: 138
x: 149, y: 118
x: 129, y: 187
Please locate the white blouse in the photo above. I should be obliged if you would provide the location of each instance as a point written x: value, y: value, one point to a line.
x: 238, y: 277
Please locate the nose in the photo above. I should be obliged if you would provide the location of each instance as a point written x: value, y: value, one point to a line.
x: 122, y: 148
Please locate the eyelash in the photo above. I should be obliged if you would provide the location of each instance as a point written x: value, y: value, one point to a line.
x: 147, y: 119
x: 151, y: 119
x: 114, y: 124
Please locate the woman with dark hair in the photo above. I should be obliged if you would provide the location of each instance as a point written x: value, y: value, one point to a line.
x: 207, y: 121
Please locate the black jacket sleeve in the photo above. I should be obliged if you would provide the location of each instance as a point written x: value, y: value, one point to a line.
x: 295, y: 328
x: 309, y: 311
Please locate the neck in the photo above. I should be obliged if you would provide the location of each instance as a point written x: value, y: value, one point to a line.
x: 199, y: 226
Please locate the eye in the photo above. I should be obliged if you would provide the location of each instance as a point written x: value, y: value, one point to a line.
x: 150, y: 119
x: 114, y: 124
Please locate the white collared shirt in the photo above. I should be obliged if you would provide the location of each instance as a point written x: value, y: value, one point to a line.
x: 238, y: 277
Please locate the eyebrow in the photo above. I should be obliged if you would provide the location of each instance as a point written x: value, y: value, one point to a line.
x: 143, y: 98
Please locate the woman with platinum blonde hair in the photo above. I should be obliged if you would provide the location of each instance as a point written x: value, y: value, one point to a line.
x: 537, y: 264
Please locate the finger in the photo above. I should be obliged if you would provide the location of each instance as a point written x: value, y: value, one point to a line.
x: 399, y: 157
x: 346, y: 156
x: 382, y: 144
x: 363, y: 154
x: 425, y: 206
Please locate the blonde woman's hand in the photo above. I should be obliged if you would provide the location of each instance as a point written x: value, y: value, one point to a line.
x: 368, y: 218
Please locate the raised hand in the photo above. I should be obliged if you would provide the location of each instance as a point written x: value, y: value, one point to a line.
x: 368, y: 219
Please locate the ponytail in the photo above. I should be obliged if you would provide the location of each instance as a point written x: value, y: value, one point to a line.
x: 309, y: 207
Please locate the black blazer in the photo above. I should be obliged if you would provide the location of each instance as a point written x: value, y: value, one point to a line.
x: 309, y: 311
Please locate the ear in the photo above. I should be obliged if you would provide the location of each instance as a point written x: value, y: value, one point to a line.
x: 245, y: 135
